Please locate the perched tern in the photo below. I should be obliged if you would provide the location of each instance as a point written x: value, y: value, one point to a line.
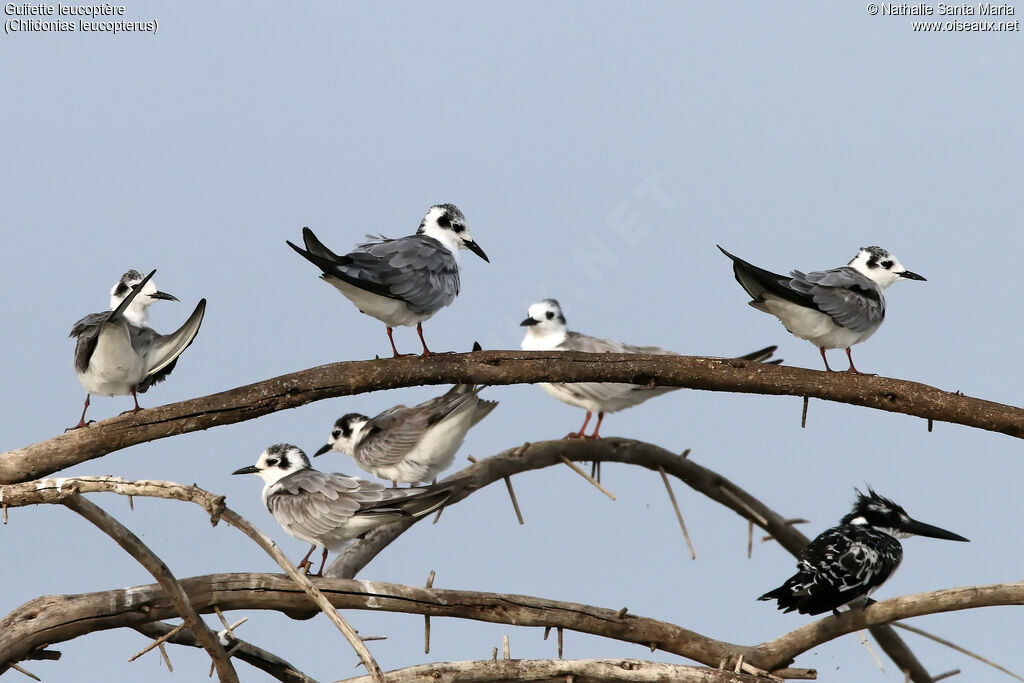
x: 404, y: 281
x: 410, y: 444
x: 327, y: 510
x: 547, y: 331
x: 117, y: 353
x: 832, y: 309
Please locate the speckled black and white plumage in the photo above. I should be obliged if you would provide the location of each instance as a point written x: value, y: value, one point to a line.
x: 851, y: 560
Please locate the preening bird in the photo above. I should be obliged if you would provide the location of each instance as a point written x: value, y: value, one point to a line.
x: 327, y: 510
x: 117, y: 353
x: 832, y: 309
x: 547, y: 331
x: 410, y: 444
x: 404, y: 281
x: 853, y: 559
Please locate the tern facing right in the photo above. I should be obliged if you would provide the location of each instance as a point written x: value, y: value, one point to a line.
x: 117, y: 353
x: 832, y: 309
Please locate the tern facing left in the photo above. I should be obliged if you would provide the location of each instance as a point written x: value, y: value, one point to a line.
x: 546, y: 330
x: 404, y: 281
x: 832, y: 309
x: 853, y: 559
x: 117, y: 353
x: 411, y: 444
x: 327, y: 510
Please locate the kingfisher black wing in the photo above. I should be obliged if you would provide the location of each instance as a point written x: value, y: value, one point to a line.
x: 842, y: 564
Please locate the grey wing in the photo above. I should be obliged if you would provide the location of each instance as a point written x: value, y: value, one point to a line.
x: 416, y: 269
x: 391, y: 435
x: 849, y: 298
x: 161, y: 351
x: 87, y: 332
x: 318, y: 503
x: 574, y: 341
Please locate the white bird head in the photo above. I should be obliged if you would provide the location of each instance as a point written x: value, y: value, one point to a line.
x: 446, y: 224
x: 276, y: 462
x: 881, y: 267
x: 345, y: 434
x: 545, y: 325
x: 137, y: 312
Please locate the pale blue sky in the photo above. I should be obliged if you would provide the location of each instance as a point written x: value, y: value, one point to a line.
x: 790, y: 133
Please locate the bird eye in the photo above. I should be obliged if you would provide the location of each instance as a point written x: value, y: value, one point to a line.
x: 336, y: 433
x: 887, y: 264
x: 550, y: 315
x: 458, y: 228
x: 272, y: 461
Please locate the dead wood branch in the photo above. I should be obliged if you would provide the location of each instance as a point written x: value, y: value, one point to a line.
x: 501, y: 367
x: 247, y: 652
x: 155, y: 566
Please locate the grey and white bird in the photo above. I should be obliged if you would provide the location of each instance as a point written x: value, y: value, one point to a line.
x: 117, y: 353
x: 327, y: 510
x: 404, y: 281
x: 832, y: 309
x: 547, y: 331
x: 414, y: 444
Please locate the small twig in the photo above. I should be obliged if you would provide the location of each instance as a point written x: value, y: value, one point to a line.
x: 930, y: 425
x: 515, y: 503
x: 559, y: 642
x: 159, y: 641
x: 167, y: 660
x: 575, y: 468
x: 547, y: 632
x: 788, y: 522
x: 5, y: 514
x: 752, y: 514
x: 494, y: 654
x: 679, y: 515
x: 803, y: 414
x: 871, y: 651
x: 621, y: 613
x: 948, y: 674
x: 750, y: 539
x: 131, y: 503
x: 954, y: 646
x: 505, y: 650
x: 23, y: 671
x: 426, y: 619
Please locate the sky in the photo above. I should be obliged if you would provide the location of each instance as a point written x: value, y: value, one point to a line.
x: 599, y: 151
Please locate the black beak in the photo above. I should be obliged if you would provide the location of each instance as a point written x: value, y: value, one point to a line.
x: 168, y: 297
x: 475, y: 248
x: 251, y: 469
x: 912, y: 276
x: 323, y: 449
x: 921, y: 529
x: 528, y: 322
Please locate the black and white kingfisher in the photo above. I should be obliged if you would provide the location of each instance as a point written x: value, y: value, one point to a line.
x: 851, y: 560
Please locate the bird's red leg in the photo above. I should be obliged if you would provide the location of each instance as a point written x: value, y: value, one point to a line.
x: 822, y: 349
x: 81, y: 421
x: 322, y: 563
x: 579, y: 434
x: 426, y: 351
x: 852, y: 369
x: 306, y: 564
x: 597, y: 427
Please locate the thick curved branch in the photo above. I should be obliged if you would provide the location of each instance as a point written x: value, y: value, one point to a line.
x: 52, y: 619
x: 501, y: 367
x: 560, y: 670
x: 160, y: 571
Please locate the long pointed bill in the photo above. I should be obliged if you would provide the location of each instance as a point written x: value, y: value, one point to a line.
x: 323, y: 449
x: 475, y: 248
x: 528, y: 322
x: 912, y: 276
x: 164, y: 295
x: 251, y: 469
x: 921, y: 529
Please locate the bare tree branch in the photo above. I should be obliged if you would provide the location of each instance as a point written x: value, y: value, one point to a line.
x: 52, y: 619
x: 155, y: 566
x: 247, y: 652
x: 561, y: 670
x: 501, y: 367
